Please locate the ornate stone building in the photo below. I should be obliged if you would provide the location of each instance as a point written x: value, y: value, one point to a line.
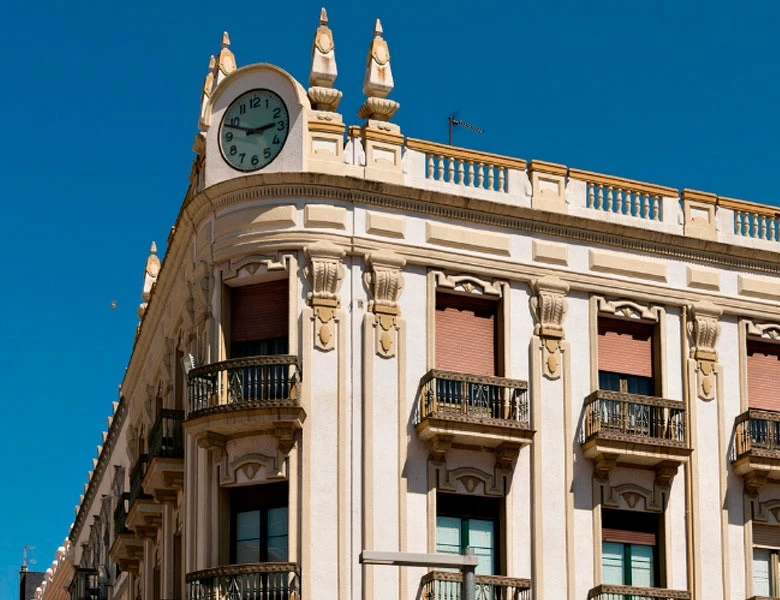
x: 359, y: 340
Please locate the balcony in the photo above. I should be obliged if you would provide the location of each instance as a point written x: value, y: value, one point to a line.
x: 246, y: 395
x: 84, y: 585
x: 126, y: 548
x: 165, y: 472
x: 485, y: 412
x: 441, y: 585
x: 626, y: 592
x: 144, y: 515
x: 755, y: 452
x: 630, y: 429
x: 278, y: 581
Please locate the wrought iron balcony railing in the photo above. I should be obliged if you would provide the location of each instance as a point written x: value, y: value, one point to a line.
x: 261, y: 581
x: 441, y: 585
x: 120, y: 515
x: 84, y: 585
x: 626, y: 592
x: 456, y: 396
x: 757, y: 433
x: 251, y: 381
x: 633, y: 418
x: 167, y: 437
x: 137, y: 478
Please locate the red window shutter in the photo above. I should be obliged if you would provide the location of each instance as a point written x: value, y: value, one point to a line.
x: 466, y: 334
x: 626, y: 347
x: 763, y: 372
x: 259, y: 312
x: 767, y: 536
x: 626, y: 536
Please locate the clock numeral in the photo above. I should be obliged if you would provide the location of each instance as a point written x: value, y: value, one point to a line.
x: 266, y: 153
x: 242, y: 109
x: 255, y: 160
x: 233, y: 150
x: 277, y: 113
x: 277, y: 141
x: 280, y: 125
x: 242, y: 155
x: 229, y: 136
x: 233, y: 121
x: 254, y: 103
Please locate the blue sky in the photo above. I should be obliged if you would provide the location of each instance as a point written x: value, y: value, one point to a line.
x: 100, y: 103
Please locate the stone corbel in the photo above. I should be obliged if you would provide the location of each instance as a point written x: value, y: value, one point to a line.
x: 704, y: 329
x: 285, y: 436
x: 603, y: 464
x: 326, y: 271
x: 754, y: 481
x: 212, y: 442
x: 549, y: 306
x: 385, y: 281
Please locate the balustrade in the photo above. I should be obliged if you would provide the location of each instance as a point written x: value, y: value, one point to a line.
x: 167, y: 438
x: 441, y: 585
x: 137, y: 478
x: 757, y: 433
x: 260, y: 581
x: 626, y: 592
x: 623, y: 196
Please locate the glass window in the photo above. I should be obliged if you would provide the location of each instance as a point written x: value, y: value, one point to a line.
x: 764, y: 574
x: 628, y: 564
x: 454, y: 535
x: 612, y: 563
x: 259, y: 524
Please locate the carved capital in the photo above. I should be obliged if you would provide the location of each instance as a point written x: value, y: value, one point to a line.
x: 213, y: 442
x: 440, y: 445
x: 285, y: 436
x: 385, y: 282
x: 549, y: 306
x: 665, y: 472
x: 603, y: 464
x: 326, y: 271
x: 704, y: 329
x: 506, y: 454
x: 754, y: 481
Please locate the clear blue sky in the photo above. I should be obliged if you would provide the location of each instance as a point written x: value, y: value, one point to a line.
x: 100, y: 103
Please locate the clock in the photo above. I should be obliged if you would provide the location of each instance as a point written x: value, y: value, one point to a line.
x: 253, y: 130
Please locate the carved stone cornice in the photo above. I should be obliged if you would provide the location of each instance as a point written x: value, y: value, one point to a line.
x: 385, y: 281
x: 704, y: 329
x: 549, y: 306
x: 326, y: 271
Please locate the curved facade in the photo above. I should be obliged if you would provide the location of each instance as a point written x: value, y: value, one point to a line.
x: 375, y: 342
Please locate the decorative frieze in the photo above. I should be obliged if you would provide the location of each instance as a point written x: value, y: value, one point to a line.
x: 549, y: 305
x: 385, y: 281
x: 704, y: 329
x: 326, y: 271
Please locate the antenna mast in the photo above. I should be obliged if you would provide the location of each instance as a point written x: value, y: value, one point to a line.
x: 458, y: 123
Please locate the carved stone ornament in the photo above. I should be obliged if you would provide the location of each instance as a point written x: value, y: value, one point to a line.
x: 151, y: 271
x: 226, y: 60
x: 385, y: 281
x: 704, y: 329
x: 205, y: 95
x: 326, y: 271
x: 468, y: 284
x: 470, y: 480
x: 768, y: 331
x: 378, y: 80
x: 628, y: 309
x: 549, y: 306
x: 323, y: 71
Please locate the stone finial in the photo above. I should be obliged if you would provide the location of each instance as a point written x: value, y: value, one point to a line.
x: 323, y: 71
x: 151, y: 272
x: 226, y: 60
x: 205, y: 95
x: 378, y: 80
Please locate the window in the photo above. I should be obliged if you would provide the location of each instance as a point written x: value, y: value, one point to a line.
x: 463, y: 521
x: 259, y: 319
x: 763, y: 373
x: 259, y: 524
x: 466, y: 340
x: 766, y: 560
x: 629, y: 549
x: 626, y: 357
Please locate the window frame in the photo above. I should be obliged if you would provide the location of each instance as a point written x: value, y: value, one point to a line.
x: 263, y: 498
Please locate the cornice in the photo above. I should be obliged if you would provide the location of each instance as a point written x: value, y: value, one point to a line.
x: 450, y: 206
x: 99, y: 471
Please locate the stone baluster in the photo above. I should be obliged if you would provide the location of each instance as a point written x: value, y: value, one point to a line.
x: 591, y: 195
x: 451, y: 170
x: 600, y: 198
x: 470, y: 180
x: 491, y: 177
x: 440, y: 160
x: 429, y: 174
x: 461, y: 174
x: 501, y: 179
x: 763, y: 228
x: 754, y: 228
x: 610, y: 192
x: 481, y: 175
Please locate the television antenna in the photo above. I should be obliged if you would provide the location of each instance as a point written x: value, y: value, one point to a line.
x: 458, y: 123
x: 27, y: 560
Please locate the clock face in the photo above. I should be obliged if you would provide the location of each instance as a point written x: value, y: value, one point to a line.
x: 253, y: 130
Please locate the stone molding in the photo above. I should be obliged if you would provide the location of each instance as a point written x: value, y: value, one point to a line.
x: 385, y: 281
x: 326, y: 271
x: 704, y: 329
x: 549, y: 306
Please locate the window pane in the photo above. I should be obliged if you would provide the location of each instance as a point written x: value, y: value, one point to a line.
x: 248, y: 525
x: 762, y: 558
x: 248, y: 551
x: 640, y: 385
x: 481, y: 539
x: 609, y: 381
x: 612, y: 563
x: 642, y: 569
x: 277, y: 534
x: 448, y: 535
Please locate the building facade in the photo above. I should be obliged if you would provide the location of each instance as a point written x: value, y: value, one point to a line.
x: 359, y: 340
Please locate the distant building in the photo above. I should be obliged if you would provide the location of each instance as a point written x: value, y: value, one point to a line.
x: 28, y: 582
x: 360, y: 340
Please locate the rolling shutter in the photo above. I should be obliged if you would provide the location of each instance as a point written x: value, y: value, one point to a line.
x: 766, y: 536
x: 259, y: 312
x: 466, y: 334
x: 626, y: 347
x: 628, y: 536
x: 763, y: 372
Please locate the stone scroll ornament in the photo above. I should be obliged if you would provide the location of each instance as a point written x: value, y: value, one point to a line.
x: 704, y: 329
x: 548, y: 305
x: 326, y: 271
x: 385, y: 281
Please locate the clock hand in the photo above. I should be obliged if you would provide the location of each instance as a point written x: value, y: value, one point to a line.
x: 261, y: 129
x: 247, y: 129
